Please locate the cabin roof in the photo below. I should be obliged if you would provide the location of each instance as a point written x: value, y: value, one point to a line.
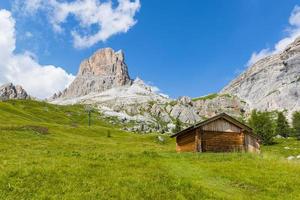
x: 220, y: 116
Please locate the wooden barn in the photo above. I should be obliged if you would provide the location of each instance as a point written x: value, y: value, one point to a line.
x: 221, y: 133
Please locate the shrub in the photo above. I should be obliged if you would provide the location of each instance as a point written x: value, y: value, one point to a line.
x: 178, y: 126
x: 262, y: 124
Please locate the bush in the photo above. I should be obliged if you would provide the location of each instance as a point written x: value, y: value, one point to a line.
x: 263, y: 125
x: 296, y: 124
x: 282, y: 125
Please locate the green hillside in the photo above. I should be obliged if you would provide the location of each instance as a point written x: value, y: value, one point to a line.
x: 49, y: 152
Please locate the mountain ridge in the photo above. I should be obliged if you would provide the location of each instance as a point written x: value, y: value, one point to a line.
x: 272, y: 83
x: 10, y: 91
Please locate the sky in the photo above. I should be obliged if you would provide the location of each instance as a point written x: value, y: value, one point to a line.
x: 185, y: 48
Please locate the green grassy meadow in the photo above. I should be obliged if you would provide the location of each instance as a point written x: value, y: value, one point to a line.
x: 49, y: 152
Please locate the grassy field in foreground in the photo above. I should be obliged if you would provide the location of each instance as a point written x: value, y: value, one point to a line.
x: 73, y: 161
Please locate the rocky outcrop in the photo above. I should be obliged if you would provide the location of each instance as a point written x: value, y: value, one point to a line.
x: 272, y: 83
x: 10, y: 91
x: 184, y: 111
x: 140, y: 103
x: 102, y: 71
x: 221, y: 103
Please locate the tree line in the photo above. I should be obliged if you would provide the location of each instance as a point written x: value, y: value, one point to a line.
x: 267, y: 125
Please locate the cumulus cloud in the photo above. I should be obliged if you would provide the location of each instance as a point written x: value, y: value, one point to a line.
x: 293, y: 32
x: 23, y: 69
x: 108, y: 19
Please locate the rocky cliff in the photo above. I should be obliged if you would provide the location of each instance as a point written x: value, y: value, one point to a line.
x: 103, y: 70
x: 272, y: 83
x: 10, y: 91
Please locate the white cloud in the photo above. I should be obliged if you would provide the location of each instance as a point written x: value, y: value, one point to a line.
x: 295, y: 17
x: 33, y: 5
x: 258, y: 56
x: 293, y: 32
x: 109, y: 20
x: 23, y: 69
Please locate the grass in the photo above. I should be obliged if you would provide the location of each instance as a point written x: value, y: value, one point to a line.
x: 207, y: 97
x: 211, y: 96
x: 73, y: 161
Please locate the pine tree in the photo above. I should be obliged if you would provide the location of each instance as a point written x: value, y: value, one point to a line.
x: 282, y: 125
x: 263, y: 126
x: 296, y: 124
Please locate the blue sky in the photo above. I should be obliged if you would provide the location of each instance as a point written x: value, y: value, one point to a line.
x: 183, y: 47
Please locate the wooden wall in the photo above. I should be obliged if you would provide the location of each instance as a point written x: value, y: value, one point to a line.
x: 186, y: 142
x: 222, y: 141
x: 221, y: 125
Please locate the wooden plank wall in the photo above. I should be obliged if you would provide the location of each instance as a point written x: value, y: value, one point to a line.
x: 221, y: 125
x: 186, y: 142
x: 222, y: 141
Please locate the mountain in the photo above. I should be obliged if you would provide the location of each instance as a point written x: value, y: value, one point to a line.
x: 272, y: 83
x: 10, y: 91
x: 104, y: 70
x: 103, y: 81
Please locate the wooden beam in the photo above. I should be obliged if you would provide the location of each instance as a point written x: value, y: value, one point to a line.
x: 196, y: 140
x: 200, y: 140
x: 244, y: 142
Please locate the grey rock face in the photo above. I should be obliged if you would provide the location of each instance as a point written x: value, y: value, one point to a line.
x: 159, y: 112
x: 186, y: 114
x: 9, y: 91
x: 273, y: 83
x: 229, y: 104
x: 102, y: 71
x: 185, y: 100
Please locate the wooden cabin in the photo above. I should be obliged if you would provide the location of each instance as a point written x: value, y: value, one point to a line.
x: 221, y: 133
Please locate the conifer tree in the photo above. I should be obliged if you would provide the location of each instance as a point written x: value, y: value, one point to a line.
x: 282, y: 125
x: 296, y: 124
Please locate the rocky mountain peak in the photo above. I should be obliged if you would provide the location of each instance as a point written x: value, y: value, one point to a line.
x: 104, y: 70
x: 106, y: 62
x: 10, y: 91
